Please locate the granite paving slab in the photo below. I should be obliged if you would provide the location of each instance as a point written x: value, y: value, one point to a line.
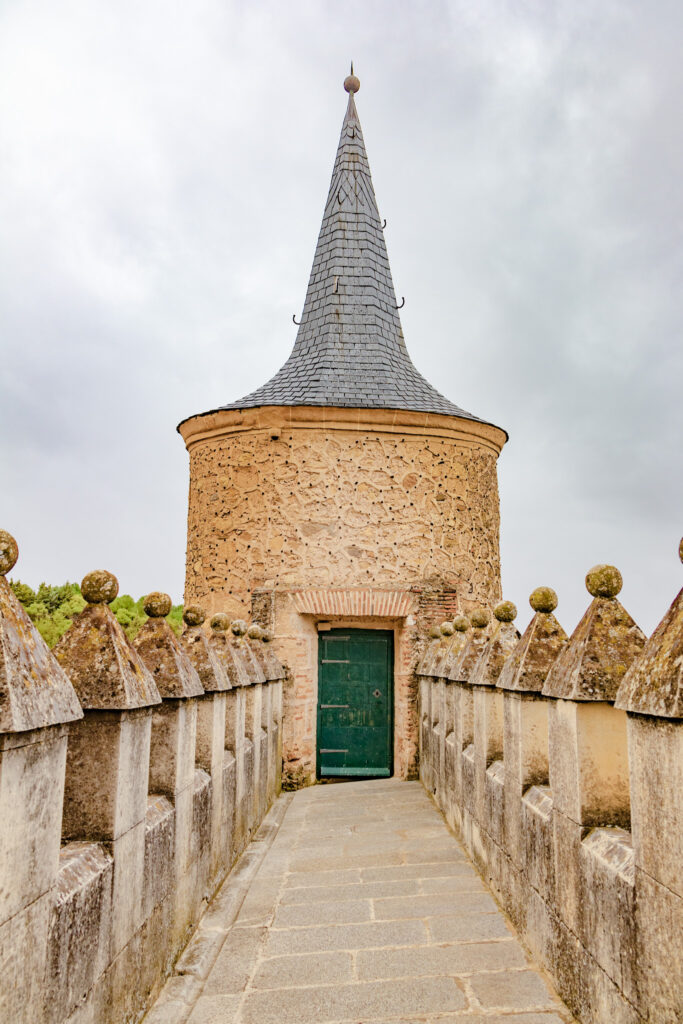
x: 366, y: 910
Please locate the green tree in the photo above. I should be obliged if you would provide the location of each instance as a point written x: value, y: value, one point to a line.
x: 53, y: 609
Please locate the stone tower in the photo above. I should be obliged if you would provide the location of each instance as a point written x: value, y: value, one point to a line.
x: 347, y: 492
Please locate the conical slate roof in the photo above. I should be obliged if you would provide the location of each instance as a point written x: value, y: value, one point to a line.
x: 349, y: 349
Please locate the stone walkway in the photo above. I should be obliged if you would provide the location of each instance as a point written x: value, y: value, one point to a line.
x: 365, y: 908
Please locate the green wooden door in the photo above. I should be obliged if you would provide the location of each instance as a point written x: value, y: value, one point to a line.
x: 355, y: 671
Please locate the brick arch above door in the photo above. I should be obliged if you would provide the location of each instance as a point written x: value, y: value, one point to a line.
x: 355, y: 602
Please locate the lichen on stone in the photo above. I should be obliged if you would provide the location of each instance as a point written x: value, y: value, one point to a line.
x: 506, y: 611
x: 543, y: 599
x: 157, y: 605
x: 193, y: 615
x: 99, y: 587
x: 220, y: 622
x: 9, y: 552
x: 604, y: 581
x: 479, y: 618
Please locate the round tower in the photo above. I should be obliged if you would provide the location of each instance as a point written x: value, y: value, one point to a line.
x: 346, y: 505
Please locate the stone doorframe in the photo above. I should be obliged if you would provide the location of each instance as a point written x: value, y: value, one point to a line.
x: 298, y: 617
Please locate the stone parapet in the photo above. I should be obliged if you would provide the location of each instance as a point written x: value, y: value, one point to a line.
x: 119, y: 816
x: 568, y: 801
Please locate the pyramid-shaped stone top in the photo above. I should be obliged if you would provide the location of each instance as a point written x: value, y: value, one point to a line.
x: 349, y: 350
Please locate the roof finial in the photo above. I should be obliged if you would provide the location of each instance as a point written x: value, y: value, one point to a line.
x: 351, y: 83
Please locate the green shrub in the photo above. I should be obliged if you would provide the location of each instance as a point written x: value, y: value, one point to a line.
x: 53, y: 609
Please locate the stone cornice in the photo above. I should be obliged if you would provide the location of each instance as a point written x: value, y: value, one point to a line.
x: 274, y: 419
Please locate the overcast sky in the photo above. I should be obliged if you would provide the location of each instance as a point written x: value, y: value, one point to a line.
x: 163, y: 172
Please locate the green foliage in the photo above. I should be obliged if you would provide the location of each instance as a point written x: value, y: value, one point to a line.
x: 53, y: 609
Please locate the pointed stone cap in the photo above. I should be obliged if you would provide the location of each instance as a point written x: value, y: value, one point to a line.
x: 502, y: 643
x: 107, y: 672
x: 528, y: 665
x: 264, y: 655
x: 601, y: 648
x: 653, y: 684
x: 426, y: 664
x: 242, y: 648
x: 443, y: 650
x: 163, y: 654
x: 231, y: 660
x: 477, y: 639
x: 200, y: 652
x: 35, y: 691
x: 455, y: 649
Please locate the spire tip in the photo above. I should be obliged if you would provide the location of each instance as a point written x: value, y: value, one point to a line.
x: 351, y: 83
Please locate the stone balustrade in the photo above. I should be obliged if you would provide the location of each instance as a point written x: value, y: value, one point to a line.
x: 132, y: 776
x: 559, y: 762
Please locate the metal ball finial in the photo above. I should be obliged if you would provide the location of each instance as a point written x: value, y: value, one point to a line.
x: 351, y: 83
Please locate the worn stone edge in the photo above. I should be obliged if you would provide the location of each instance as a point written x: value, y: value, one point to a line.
x: 203, y: 949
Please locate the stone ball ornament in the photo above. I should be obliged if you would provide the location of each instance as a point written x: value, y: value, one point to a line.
x: 435, y: 632
x: 447, y: 629
x: 239, y: 627
x: 461, y: 623
x: 193, y: 615
x: 266, y: 636
x: 219, y: 622
x: 506, y: 611
x: 157, y: 605
x: 479, y: 618
x: 255, y: 632
x: 99, y: 587
x: 9, y: 552
x: 604, y: 581
x: 543, y: 599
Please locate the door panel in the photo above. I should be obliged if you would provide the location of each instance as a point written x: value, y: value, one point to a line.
x: 355, y: 702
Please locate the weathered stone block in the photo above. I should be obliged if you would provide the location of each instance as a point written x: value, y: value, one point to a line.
x: 78, y: 936
x: 589, y: 762
x: 228, y: 809
x: 655, y: 748
x: 172, y: 751
x: 567, y: 836
x: 200, y: 850
x: 106, y: 774
x: 584, y: 986
x: 537, y: 830
x: 525, y: 738
x: 23, y: 948
x: 659, y: 926
x: 488, y: 739
x: 32, y: 768
x: 159, y: 851
x: 128, y: 903
x: 494, y: 802
x: 607, y: 909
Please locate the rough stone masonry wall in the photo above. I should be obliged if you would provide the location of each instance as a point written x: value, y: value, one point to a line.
x: 131, y: 778
x: 314, y: 497
x: 559, y: 762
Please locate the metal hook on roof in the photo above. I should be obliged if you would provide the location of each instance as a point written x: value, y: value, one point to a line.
x: 297, y: 322
x: 403, y: 302
x: 384, y: 223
